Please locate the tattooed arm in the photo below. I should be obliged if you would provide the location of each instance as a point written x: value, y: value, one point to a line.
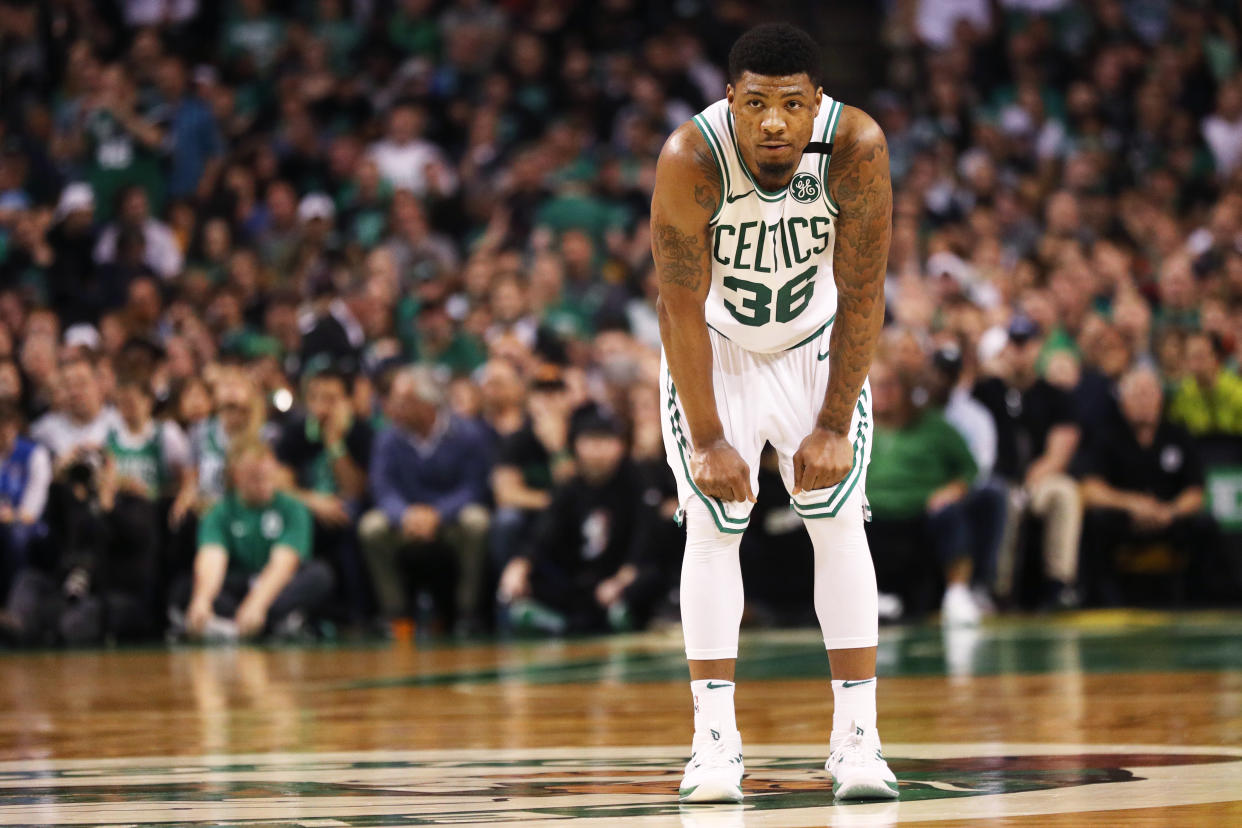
x: 859, y: 182
x: 687, y: 192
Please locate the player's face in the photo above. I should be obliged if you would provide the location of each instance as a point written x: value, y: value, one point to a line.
x: 774, y: 117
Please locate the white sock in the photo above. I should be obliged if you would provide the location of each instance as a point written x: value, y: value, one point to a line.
x: 853, y: 702
x: 713, y: 703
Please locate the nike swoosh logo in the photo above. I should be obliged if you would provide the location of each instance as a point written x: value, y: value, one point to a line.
x: 733, y: 198
x: 856, y: 683
x: 822, y: 357
x: 711, y: 686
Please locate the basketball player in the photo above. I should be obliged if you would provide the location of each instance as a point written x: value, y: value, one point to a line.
x: 770, y: 228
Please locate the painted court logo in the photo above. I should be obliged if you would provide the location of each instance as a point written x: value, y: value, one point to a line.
x: 804, y: 187
x: 602, y: 787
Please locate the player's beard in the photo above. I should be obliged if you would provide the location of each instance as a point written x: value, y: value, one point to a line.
x: 776, y: 172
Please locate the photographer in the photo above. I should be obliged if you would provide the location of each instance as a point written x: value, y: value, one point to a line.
x: 95, y: 582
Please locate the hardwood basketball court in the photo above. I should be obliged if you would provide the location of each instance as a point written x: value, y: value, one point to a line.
x: 1093, y: 719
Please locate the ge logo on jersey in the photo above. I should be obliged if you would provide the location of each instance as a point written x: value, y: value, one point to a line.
x: 804, y: 188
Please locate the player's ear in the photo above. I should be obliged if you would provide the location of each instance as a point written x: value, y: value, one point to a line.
x: 729, y: 93
x: 819, y: 97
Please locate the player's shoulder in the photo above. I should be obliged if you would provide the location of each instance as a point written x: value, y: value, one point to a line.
x: 687, y: 173
x: 686, y: 146
x: 857, y: 130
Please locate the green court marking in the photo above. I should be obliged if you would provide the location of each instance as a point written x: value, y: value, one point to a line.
x: 1086, y: 642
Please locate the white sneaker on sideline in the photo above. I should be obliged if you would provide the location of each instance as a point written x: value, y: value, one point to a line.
x: 958, y: 609
x: 221, y: 630
x: 858, y: 769
x: 889, y: 606
x: 714, y: 772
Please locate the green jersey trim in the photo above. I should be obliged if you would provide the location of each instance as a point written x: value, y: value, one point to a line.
x: 725, y: 523
x: 831, y: 505
x: 809, y: 339
x: 818, y: 331
x: 723, y: 168
x: 830, y: 134
x: 759, y: 191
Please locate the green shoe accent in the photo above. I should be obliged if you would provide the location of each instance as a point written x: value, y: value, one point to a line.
x: 687, y: 791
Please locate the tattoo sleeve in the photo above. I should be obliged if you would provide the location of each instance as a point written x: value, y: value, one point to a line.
x: 687, y: 192
x: 859, y: 180
x: 680, y: 256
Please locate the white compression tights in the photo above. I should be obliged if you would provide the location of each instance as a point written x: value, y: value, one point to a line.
x: 711, y: 584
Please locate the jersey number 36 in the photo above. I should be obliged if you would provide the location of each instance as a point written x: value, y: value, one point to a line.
x: 754, y: 306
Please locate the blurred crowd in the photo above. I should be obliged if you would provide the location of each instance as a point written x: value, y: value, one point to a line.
x: 320, y: 314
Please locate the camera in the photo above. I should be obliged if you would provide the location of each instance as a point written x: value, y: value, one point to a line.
x: 83, y: 470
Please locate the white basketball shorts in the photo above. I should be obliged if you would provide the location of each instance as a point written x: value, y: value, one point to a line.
x: 767, y: 398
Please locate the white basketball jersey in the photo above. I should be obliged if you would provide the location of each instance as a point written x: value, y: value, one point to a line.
x: 772, y: 284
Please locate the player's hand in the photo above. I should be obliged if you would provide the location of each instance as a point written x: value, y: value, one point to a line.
x: 823, y: 460
x: 719, y: 471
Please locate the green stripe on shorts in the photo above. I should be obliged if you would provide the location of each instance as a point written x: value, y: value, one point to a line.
x: 725, y: 523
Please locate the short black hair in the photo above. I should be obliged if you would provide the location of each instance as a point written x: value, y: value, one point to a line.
x: 775, y: 49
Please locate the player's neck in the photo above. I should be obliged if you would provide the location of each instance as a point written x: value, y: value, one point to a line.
x: 772, y: 184
x: 769, y: 182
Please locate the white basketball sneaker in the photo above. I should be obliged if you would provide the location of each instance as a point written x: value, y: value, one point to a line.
x: 714, y: 772
x: 858, y: 769
x: 958, y: 609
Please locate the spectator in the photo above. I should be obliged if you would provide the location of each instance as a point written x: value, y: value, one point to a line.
x: 592, y: 565
x: 986, y: 502
x: 1209, y: 399
x: 73, y: 287
x: 238, y: 414
x: 253, y: 573
x: 408, y: 160
x: 1037, y: 436
x: 152, y: 458
x: 154, y: 239
x: 530, y: 462
x: 1142, y: 483
x: 194, y: 142
x: 25, y: 474
x: 428, y: 474
x: 81, y: 426
x: 921, y: 471
x: 1223, y: 129
x: 326, y: 451
x: 281, y: 234
x: 122, y: 143
x: 502, y: 399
